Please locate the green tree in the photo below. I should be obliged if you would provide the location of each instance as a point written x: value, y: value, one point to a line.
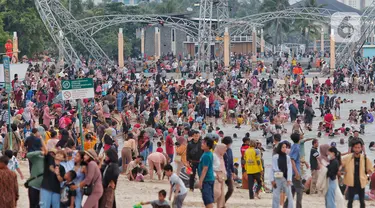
x: 309, y: 29
x: 4, y: 36
x: 277, y: 27
x: 243, y: 8
x: 21, y: 17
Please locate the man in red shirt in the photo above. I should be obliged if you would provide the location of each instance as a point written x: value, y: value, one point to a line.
x: 232, y: 103
x: 169, y: 145
x: 328, y: 82
x: 328, y: 119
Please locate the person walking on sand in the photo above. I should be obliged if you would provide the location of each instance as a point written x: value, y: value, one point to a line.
x: 229, y: 165
x: 281, y: 176
x: 296, y: 165
x: 253, y: 167
x: 206, y: 173
x: 357, y: 167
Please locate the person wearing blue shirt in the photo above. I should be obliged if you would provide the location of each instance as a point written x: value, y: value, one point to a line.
x: 297, y: 181
x: 206, y: 173
x: 217, y: 110
x: 29, y: 94
x: 321, y: 104
x: 120, y: 98
x: 229, y: 166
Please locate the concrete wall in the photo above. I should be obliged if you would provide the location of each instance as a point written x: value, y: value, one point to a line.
x: 165, y: 41
x: 245, y: 47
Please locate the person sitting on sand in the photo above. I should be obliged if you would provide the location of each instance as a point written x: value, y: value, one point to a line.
x: 160, y: 203
x: 132, y: 166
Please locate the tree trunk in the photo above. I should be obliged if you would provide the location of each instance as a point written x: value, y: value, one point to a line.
x: 307, y: 41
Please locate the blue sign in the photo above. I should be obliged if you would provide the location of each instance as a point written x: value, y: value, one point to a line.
x: 6, y: 64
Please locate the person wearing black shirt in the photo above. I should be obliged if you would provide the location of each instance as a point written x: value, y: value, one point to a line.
x: 314, y: 154
x: 68, y: 194
x: 33, y: 143
x: 52, y: 177
x: 110, y: 172
x: 194, y: 153
x: 332, y: 170
x: 357, y: 167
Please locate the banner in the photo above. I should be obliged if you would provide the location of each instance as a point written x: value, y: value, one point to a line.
x: 19, y: 69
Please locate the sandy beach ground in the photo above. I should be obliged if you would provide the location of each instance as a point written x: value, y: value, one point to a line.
x: 130, y: 193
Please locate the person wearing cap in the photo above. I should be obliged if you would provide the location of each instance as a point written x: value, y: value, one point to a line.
x: 93, y: 177
x: 169, y: 144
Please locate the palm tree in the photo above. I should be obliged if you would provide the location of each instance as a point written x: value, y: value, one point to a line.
x: 277, y: 27
x: 308, y: 28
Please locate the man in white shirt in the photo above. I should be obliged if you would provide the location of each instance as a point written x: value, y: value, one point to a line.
x: 177, y: 187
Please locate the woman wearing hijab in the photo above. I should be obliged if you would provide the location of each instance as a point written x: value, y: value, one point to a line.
x: 220, y: 174
x: 47, y: 116
x: 110, y: 172
x: 281, y: 175
x: 180, y: 158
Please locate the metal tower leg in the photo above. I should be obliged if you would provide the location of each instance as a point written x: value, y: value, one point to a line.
x: 49, y: 20
x: 205, y: 33
x: 70, y: 25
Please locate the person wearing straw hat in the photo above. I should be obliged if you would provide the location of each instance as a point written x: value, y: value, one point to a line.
x: 93, y: 177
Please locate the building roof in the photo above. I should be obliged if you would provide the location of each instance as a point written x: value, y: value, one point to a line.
x: 330, y: 4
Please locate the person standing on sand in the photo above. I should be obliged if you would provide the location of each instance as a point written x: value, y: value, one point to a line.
x: 281, y: 173
x: 296, y: 165
x: 8, y: 182
x: 314, y: 154
x: 357, y: 167
x: 253, y: 167
x: 206, y: 173
x: 194, y: 153
x: 228, y: 159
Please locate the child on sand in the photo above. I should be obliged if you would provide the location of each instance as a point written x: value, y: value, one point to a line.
x: 68, y: 195
x: 240, y: 121
x: 13, y: 164
x: 159, y: 149
x: 177, y: 187
x: 160, y: 203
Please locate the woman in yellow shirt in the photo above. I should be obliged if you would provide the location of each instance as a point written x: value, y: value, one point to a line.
x: 253, y: 167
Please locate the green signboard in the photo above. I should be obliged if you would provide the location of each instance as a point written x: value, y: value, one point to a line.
x: 77, y: 89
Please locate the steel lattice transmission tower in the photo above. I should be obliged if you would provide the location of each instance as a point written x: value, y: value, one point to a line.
x: 59, y: 21
x: 348, y: 51
x: 205, y: 32
x: 222, y: 8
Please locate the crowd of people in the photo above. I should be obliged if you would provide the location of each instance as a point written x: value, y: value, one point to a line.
x: 154, y: 127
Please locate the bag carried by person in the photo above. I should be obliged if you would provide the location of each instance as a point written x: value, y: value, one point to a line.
x: 87, y: 189
x: 26, y: 184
